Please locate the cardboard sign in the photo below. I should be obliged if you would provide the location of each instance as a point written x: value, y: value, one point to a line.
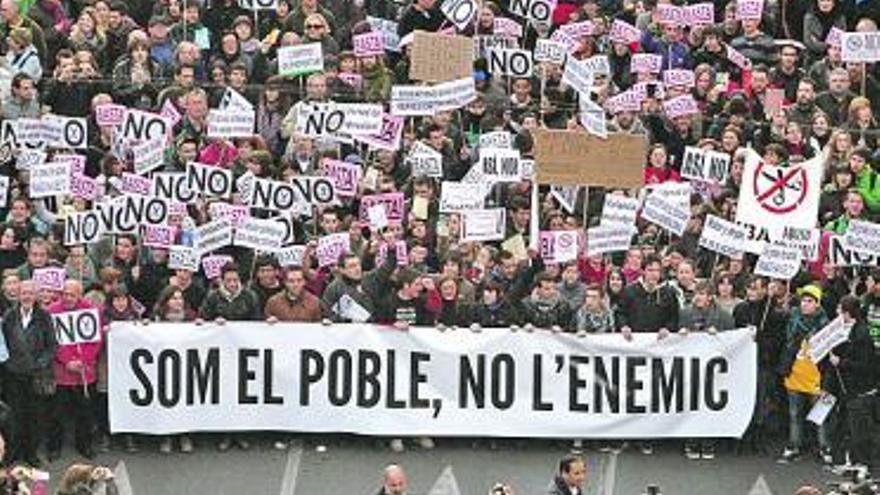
x: 77, y: 327
x: 705, y: 165
x: 438, y: 58
x: 209, y: 180
x: 213, y: 265
x: 300, y: 60
x: 424, y: 160
x: 83, y: 228
x: 619, y: 210
x: 681, y: 106
x: 388, y: 138
x: 667, y: 215
x: 483, y: 225
x: 723, y: 237
x: 460, y: 196
x: 331, y: 248
x: 860, y: 46
x: 778, y: 262
x: 346, y: 176
x: 749, y: 10
x: 183, y: 258
x: 262, y: 235
x: 110, y: 114
x: 159, y: 236
x: 510, y: 62
x: 500, y: 165
x: 624, y: 32
x: 50, y: 278
x: 460, y: 12
x: 609, y: 238
x: 558, y: 246
x: 577, y: 158
x: 50, y: 179
x: 646, y: 63
x: 394, y: 203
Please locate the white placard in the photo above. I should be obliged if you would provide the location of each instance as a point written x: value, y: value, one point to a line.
x: 231, y: 123
x: 778, y: 262
x: 619, y: 210
x: 460, y: 196
x: 183, y: 258
x: 860, y: 46
x: 705, y: 165
x: 668, y: 215
x: 723, y: 237
x: 824, y: 341
x: 483, y: 225
x: 558, y: 246
x: 500, y: 165
x: 460, y: 12
x: 862, y: 237
x: 300, y: 59
x: 214, y: 235
x: 609, y: 238
x: 50, y: 179
x: 510, y: 62
x: 264, y: 235
x: 77, y: 327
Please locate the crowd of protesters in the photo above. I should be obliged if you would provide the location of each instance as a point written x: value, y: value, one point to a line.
x: 67, y: 57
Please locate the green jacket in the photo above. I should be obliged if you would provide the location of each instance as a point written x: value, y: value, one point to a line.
x: 868, y: 184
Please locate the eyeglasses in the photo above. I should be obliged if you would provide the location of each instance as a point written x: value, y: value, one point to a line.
x: 314, y: 26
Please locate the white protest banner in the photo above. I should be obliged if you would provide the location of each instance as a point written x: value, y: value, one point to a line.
x: 300, y: 59
x: 213, y: 265
x: 772, y: 195
x: 299, y: 192
x: 232, y: 100
x: 680, y: 106
x: 500, y: 165
x: 679, y: 77
x: 50, y: 179
x: 862, y: 237
x: 125, y: 214
x: 237, y: 214
x: 290, y: 255
x: 460, y: 12
x: 536, y: 11
x: 258, y: 4
x: 318, y: 119
x: 624, y: 32
x: 377, y: 217
x: 738, y: 58
x: 550, y: 51
x: 570, y: 44
x: 578, y: 76
x: 263, y: 235
x: 609, y: 238
x: 183, y: 258
x: 331, y: 248
x: 619, y: 210
x: 705, y: 165
x: 51, y: 278
x: 158, y: 236
x: 77, y: 327
x: 566, y: 195
x: 110, y: 114
x: 646, y: 63
x: 821, y: 408
x: 424, y: 160
x: 346, y: 176
x: 148, y: 155
x: 209, y: 180
x: 460, y: 196
x: 483, y: 225
x: 510, y: 62
x: 388, y: 138
x: 369, y: 44
x: 778, y: 262
x: 136, y: 184
x: 750, y: 10
x: 139, y: 126
x: 860, y: 46
x: 509, y: 28
x: 578, y: 30
x: 83, y: 228
x: 496, y: 139
x: 213, y: 235
x: 426, y: 100
x: 806, y: 240
x: 668, y: 215
x: 231, y: 123
x: 598, y: 64
x: 394, y: 203
x: 723, y: 237
x: 835, y: 37
x: 822, y: 342
x: 558, y: 246
x: 600, y: 387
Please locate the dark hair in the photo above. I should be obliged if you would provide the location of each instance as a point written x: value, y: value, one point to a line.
x: 650, y: 260
x: 851, y: 305
x: 566, y: 462
x: 229, y: 267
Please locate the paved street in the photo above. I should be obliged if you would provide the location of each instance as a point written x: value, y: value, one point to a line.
x: 352, y: 466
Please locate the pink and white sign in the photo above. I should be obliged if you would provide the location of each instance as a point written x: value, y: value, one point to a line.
x: 701, y: 14
x: 578, y: 29
x: 212, y: 265
x: 331, y: 248
x: 401, y: 253
x: 749, y: 10
x: 558, y: 246
x: 679, y: 77
x: 394, y: 203
x: 83, y: 187
x: 389, y: 138
x: 646, y: 63
x: 369, y: 44
x: 835, y: 37
x: 110, y: 114
x: 628, y: 101
x: 170, y: 113
x: 136, y: 184
x: 159, y: 236
x: 624, y: 32
x: 356, y: 81
x: 346, y: 176
x: 738, y: 59
x: 50, y: 278
x: 502, y: 26
x: 680, y: 106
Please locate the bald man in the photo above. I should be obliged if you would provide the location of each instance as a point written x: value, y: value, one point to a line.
x: 394, y: 481
x: 75, y: 377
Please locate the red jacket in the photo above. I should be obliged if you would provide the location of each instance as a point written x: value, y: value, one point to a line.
x: 87, y: 353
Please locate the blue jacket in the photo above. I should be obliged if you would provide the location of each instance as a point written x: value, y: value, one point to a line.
x: 675, y: 55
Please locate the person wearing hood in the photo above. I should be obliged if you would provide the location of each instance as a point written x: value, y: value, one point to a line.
x: 570, y: 478
x: 545, y: 308
x: 703, y: 315
x: 802, y: 377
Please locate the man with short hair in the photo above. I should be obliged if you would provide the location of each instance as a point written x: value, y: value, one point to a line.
x: 394, y: 481
x: 23, y: 101
x: 570, y: 478
x: 835, y: 101
x: 230, y: 301
x: 294, y: 303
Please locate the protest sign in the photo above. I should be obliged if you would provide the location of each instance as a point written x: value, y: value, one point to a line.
x: 839, y: 255
x: 229, y: 124
x: 680, y: 106
x: 536, y: 11
x: 609, y: 238
x: 700, y: 14
x: 670, y: 14
x: 723, y: 237
x: 4, y: 191
x: 170, y: 112
x: 862, y: 237
x: 232, y: 100
x: 496, y: 139
x: 300, y: 60
x: 331, y: 248
x: 290, y: 256
x: 460, y: 12
x: 863, y: 46
x: 805, y: 239
x: 388, y: 138
x: 298, y: 193
x: 237, y: 214
x: 172, y: 186
x: 646, y: 63
x: 566, y: 195
x: 50, y: 179
x: 500, y: 165
x: 670, y: 216
x: 149, y: 155
x: 749, y: 10
x: 318, y: 119
x: 140, y: 126
x: 77, y: 327
x: 558, y: 246
x: 821, y: 408
x: 136, y: 184
x: 510, y: 62
x: 825, y: 340
x: 394, y: 203
x: 183, y: 258
x: 627, y: 101
x: 460, y: 196
x: 426, y: 100
x: 705, y: 165
x: 738, y: 58
x: 258, y: 4
x: 503, y: 26
x: 704, y: 384
x: 263, y: 235
x: 483, y: 225
x: 83, y: 187
x: 158, y: 236
x: 83, y: 228
x: 376, y: 215
x: 592, y: 117
x: 835, y: 37
x: 679, y: 77
x: 425, y: 160
x: 619, y: 210
x: 772, y: 195
x: 110, y: 114
x: 213, y: 265
x: 578, y: 76
x: 370, y: 44
x: 209, y: 180
x: 51, y: 278
x: 29, y: 158
x: 624, y: 32
x: 778, y: 262
x: 346, y: 176
x: 400, y: 251
x: 550, y: 51
x: 213, y: 235
x: 578, y: 30
x: 438, y: 58
x: 577, y: 158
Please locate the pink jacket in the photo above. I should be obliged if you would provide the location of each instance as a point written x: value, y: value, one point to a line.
x: 87, y: 353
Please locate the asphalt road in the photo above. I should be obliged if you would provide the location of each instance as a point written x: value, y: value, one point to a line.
x: 353, y: 465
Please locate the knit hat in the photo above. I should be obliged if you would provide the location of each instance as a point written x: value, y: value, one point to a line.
x: 811, y: 290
